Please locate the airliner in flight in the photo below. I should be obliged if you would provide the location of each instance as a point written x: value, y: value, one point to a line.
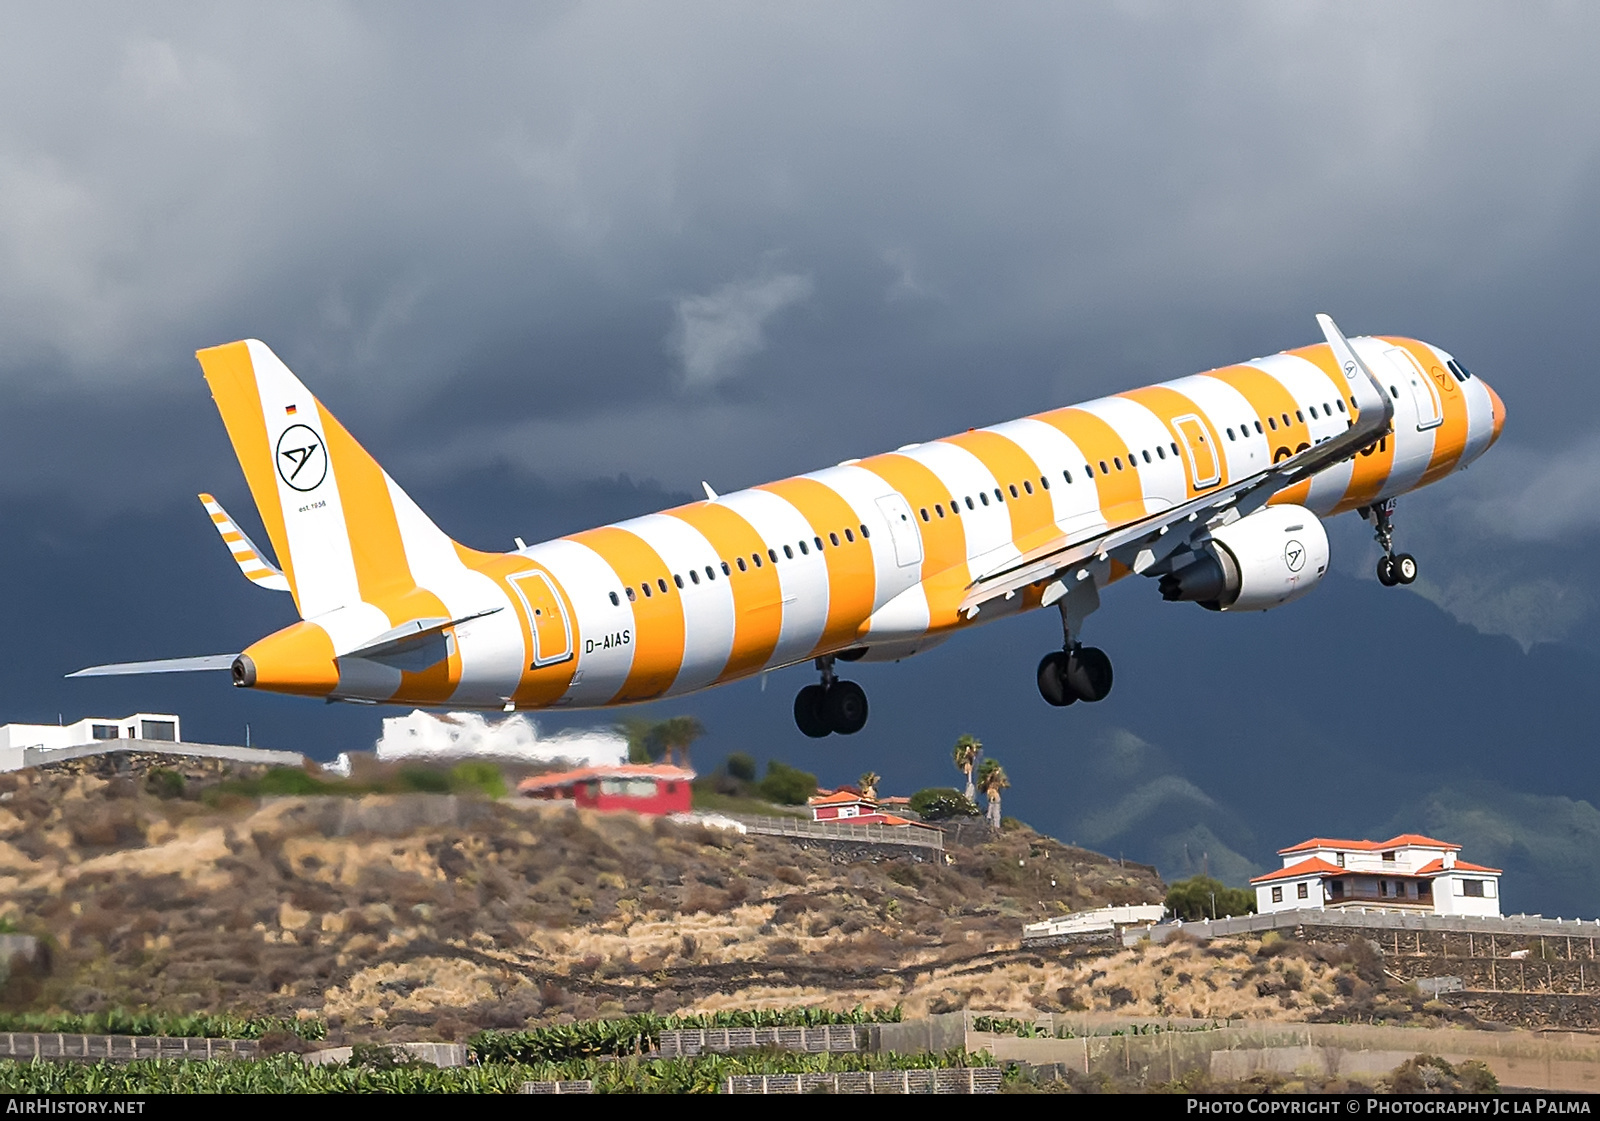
x: 1213, y: 486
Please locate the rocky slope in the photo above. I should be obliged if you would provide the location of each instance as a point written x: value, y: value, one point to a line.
x: 429, y: 915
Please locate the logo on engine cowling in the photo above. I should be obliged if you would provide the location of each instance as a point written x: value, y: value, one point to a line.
x: 1294, y: 555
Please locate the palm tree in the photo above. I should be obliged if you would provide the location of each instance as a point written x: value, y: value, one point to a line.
x: 992, y: 778
x: 643, y: 746
x: 676, y: 733
x: 869, y: 786
x: 968, y: 748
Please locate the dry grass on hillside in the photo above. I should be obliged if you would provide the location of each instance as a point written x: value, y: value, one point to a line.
x: 431, y: 915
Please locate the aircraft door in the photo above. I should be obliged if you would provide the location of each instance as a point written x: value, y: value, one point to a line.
x: 902, y: 530
x: 1429, y: 412
x: 547, y: 618
x: 1203, y: 461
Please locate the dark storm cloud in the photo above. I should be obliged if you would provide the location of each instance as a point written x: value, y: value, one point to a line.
x: 729, y: 242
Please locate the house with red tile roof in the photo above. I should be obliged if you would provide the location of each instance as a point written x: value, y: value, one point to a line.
x: 645, y: 788
x: 848, y: 805
x: 1409, y: 873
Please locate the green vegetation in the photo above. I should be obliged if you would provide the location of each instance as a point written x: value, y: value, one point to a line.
x: 786, y: 785
x: 1201, y: 897
x: 650, y: 741
x: 200, y: 1025
x: 937, y: 803
x: 640, y: 1033
x: 741, y: 766
x: 164, y: 783
x: 470, y: 777
x: 287, y: 1074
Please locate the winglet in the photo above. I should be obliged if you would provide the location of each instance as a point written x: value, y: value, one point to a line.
x: 257, y: 569
x: 1365, y: 388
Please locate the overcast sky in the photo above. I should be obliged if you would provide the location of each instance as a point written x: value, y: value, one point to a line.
x: 732, y: 242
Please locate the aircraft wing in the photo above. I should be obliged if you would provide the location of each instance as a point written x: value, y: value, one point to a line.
x: 251, y: 560
x: 1145, y: 542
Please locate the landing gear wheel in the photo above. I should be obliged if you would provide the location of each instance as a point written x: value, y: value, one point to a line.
x: 808, y: 714
x: 1387, y: 576
x: 844, y: 707
x: 1405, y: 568
x: 1053, y: 680
x: 1088, y: 673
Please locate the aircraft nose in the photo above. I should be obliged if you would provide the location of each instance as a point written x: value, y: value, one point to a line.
x: 1497, y: 412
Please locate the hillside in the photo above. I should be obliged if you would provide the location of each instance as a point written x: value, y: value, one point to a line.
x: 429, y: 915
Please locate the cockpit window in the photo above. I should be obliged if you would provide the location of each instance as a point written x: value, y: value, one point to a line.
x: 1460, y: 371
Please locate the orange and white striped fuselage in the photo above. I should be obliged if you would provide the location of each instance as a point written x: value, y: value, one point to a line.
x: 874, y: 557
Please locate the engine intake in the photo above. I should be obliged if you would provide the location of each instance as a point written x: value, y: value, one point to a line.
x: 1275, y: 555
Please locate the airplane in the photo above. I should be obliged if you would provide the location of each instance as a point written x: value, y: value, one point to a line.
x: 1213, y: 485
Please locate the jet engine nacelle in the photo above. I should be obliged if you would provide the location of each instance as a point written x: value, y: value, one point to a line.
x: 1269, y: 558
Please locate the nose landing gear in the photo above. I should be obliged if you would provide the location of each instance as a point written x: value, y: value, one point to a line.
x: 1393, y: 568
x: 831, y: 706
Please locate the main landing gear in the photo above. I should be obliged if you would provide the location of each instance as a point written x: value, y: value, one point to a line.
x: 1074, y: 673
x: 832, y: 706
x: 1393, y: 568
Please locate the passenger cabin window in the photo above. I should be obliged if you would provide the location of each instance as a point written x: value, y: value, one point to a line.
x: 631, y: 597
x: 998, y: 497
x: 1161, y: 452
x: 726, y: 571
x: 678, y: 580
x: 1298, y: 415
x: 742, y: 567
x: 849, y: 536
x: 772, y: 555
x: 1230, y: 434
x: 924, y: 513
x: 615, y: 602
x: 817, y: 541
x: 1013, y: 489
x: 982, y: 497
x: 693, y: 576
x: 1067, y: 475
x: 1174, y: 446
x: 834, y: 537
x: 1258, y: 432
x: 788, y: 552
x: 1027, y: 486
x: 1117, y: 459
x: 1272, y: 424
x: 865, y: 532
x: 1146, y: 455
x: 757, y: 558
x: 804, y: 552
x: 645, y: 588
x: 1044, y: 482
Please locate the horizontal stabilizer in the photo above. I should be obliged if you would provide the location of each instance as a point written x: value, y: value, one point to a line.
x: 252, y: 562
x: 162, y: 665
x: 408, y: 634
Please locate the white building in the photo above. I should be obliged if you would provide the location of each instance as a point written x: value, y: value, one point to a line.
x: 1408, y: 872
x: 17, y: 738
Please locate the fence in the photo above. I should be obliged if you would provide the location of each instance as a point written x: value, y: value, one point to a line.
x: 1377, y: 918
x: 952, y: 1080
x: 914, y: 836
x: 693, y: 1041
x: 121, y: 1048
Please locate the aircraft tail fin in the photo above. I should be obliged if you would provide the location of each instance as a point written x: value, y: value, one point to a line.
x: 342, y: 530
